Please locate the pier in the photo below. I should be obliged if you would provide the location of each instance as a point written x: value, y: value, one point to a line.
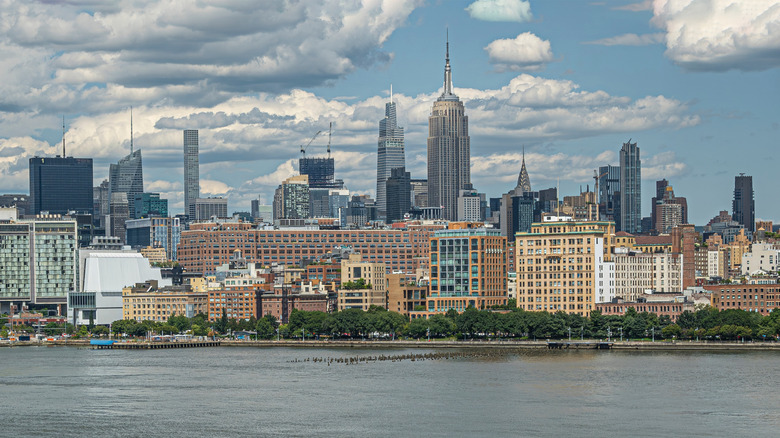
x: 153, y: 345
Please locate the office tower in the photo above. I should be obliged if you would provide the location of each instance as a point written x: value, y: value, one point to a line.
x: 669, y: 210
x: 206, y: 208
x: 101, y: 199
x: 191, y: 172
x: 448, y: 148
x: 150, y: 205
x: 419, y: 192
x: 390, y: 152
x: 319, y: 202
x: 157, y: 232
x: 467, y: 269
x: 291, y: 199
x: 743, y: 206
x: 261, y: 211
x: 59, y: 185
x: 119, y: 213
x: 630, y: 189
x: 609, y: 193
x: 127, y: 176
x: 470, y: 206
x: 321, y: 173
x: 398, y: 195
x: 52, y: 245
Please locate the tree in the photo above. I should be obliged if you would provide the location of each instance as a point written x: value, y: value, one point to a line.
x: 222, y: 324
x: 671, y: 331
x: 264, y: 328
x: 99, y: 330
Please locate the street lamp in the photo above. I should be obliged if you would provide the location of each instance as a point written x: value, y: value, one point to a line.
x: 569, y: 334
x: 621, y: 334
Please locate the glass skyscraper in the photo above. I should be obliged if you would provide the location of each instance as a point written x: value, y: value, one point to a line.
x: 448, y: 149
x: 59, y: 185
x: 191, y: 172
x: 127, y: 176
x: 390, y: 153
x: 743, y: 207
x: 630, y: 189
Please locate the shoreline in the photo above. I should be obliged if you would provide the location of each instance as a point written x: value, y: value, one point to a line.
x: 440, y: 344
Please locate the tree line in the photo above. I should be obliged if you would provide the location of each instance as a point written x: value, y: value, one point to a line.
x: 707, y: 323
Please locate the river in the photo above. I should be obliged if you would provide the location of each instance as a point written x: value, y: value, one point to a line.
x: 67, y: 391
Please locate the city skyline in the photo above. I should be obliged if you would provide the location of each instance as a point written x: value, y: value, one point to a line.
x: 570, y: 93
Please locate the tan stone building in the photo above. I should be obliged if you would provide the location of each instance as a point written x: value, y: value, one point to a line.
x: 354, y: 269
x: 145, y: 301
x: 557, y: 264
x: 403, y: 294
x: 155, y: 255
x: 637, y: 273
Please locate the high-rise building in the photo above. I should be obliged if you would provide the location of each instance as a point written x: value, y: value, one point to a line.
x: 470, y: 206
x: 119, y: 213
x: 262, y: 211
x: 743, y: 206
x: 390, y: 152
x: 158, y: 232
x: 523, y: 180
x: 59, y: 185
x: 398, y: 197
x: 20, y: 201
x: 291, y: 199
x: 37, y: 261
x: 150, y: 205
x: 668, y: 211
x: 448, y: 149
x: 630, y: 188
x: 191, y: 172
x: 321, y: 173
x: 127, y: 176
x: 101, y: 198
x: 206, y: 208
x: 609, y: 193
x: 419, y: 192
x: 467, y: 269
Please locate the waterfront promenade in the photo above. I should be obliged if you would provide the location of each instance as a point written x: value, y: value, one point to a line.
x: 448, y: 344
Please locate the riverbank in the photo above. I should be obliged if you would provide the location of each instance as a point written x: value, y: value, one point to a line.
x: 447, y: 344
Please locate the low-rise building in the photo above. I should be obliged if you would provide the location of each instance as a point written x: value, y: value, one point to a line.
x: 662, y: 304
x: 148, y: 302
x: 403, y: 294
x: 760, y: 298
x: 636, y: 273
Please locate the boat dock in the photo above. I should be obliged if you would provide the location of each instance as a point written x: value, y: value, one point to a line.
x: 579, y: 345
x: 111, y: 345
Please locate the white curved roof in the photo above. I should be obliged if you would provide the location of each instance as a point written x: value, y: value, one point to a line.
x: 110, y: 272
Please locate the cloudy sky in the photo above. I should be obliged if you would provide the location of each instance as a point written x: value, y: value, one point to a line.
x: 694, y: 82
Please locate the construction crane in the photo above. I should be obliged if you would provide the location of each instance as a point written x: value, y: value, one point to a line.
x: 303, y: 148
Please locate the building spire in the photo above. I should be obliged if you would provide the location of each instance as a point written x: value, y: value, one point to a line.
x: 63, y: 136
x: 391, y: 93
x: 131, y: 130
x: 523, y: 180
x: 447, y: 69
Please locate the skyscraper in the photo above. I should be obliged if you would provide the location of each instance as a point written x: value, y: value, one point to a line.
x: 743, y: 207
x: 59, y: 185
x: 630, y: 188
x: 448, y: 148
x: 523, y: 180
x: 609, y: 193
x: 398, y: 190
x: 127, y: 176
x: 191, y: 172
x: 390, y: 152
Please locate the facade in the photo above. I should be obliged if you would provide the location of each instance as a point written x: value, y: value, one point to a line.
x: 150, y: 205
x: 419, y: 192
x: 609, y: 193
x: 238, y: 303
x: 206, y: 246
x: 103, y: 276
x: 37, y: 261
x: 630, y: 189
x: 206, y: 208
x: 470, y: 206
x: 291, y: 199
x: 59, y: 185
x: 261, y: 211
x: 449, y: 152
x: 667, y: 304
x: 191, y: 172
x: 467, y: 269
x: 148, y: 302
x: 668, y: 211
x: 158, y: 232
x: 763, y: 257
x: 127, y: 176
x: 403, y: 295
x: 760, y: 298
x: 743, y: 206
x: 390, y: 153
x: 397, y: 195
x: 557, y: 263
x: 320, y: 173
x: 119, y: 214
x: 373, y: 273
x: 101, y: 203
x: 637, y: 273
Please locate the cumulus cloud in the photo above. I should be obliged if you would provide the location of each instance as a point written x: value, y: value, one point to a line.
x: 180, y: 51
x: 500, y: 10
x: 630, y: 39
x: 663, y: 165
x: 644, y: 5
x: 525, y: 52
x: 719, y: 35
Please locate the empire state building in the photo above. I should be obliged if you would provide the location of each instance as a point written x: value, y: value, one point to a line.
x: 449, y: 153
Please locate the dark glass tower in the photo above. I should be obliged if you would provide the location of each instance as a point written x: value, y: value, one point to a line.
x: 59, y: 185
x: 744, y: 207
x: 321, y: 172
x: 191, y: 172
x: 398, y: 192
x: 630, y: 189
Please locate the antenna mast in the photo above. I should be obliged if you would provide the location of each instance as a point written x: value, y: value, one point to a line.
x: 131, y: 130
x: 63, y: 136
x: 330, y: 129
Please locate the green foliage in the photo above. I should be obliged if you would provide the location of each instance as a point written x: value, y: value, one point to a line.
x: 360, y: 283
